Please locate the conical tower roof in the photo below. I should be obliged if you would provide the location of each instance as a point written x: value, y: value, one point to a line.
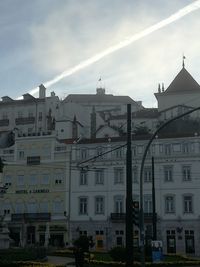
x: 183, y: 82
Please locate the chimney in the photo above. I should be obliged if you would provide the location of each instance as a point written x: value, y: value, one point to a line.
x: 42, y: 91
x: 159, y: 91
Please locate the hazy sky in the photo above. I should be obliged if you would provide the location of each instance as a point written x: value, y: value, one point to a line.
x: 42, y: 38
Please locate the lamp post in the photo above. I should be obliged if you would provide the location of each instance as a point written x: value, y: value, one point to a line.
x: 142, y: 233
x: 129, y: 198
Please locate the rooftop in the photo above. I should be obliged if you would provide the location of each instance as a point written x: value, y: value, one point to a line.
x: 183, y: 82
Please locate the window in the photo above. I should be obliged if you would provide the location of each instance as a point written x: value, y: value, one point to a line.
x: 8, y: 180
x: 33, y: 179
x: 99, y: 152
x: 40, y: 116
x: 119, y: 153
x: 6, y: 208
x: 167, y: 150
x: 135, y: 175
x: 169, y: 204
x: 58, y: 181
x: 83, y: 232
x: 99, y: 177
x: 99, y: 243
x: 58, y: 178
x: 118, y: 175
x: 21, y: 154
x: 44, y: 206
x: 187, y: 204
x: 147, y: 175
x: 20, y: 180
x: 189, y: 241
x: 140, y: 149
x: 99, y: 232
x: 168, y: 173
x: 118, y: 204
x: 58, y: 206
x: 83, y: 153
x: 83, y: 177
x: 19, y: 207
x: 45, y: 179
x: 83, y: 205
x: 32, y: 207
x: 186, y: 171
x: 148, y: 204
x: 185, y: 148
x: 99, y: 205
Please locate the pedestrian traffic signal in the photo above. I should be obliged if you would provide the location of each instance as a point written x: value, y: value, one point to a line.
x: 1, y: 165
x: 136, y: 213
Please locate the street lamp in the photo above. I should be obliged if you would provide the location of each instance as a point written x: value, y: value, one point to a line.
x: 142, y: 233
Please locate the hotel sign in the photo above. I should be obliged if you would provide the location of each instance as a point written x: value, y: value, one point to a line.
x: 32, y: 191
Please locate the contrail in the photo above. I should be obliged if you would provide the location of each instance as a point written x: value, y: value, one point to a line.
x: 127, y: 41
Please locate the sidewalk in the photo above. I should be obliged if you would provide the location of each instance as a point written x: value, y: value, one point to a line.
x: 61, y: 260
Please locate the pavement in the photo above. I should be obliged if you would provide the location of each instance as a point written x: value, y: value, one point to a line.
x: 55, y: 260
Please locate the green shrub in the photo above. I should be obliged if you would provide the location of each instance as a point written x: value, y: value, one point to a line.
x: 118, y: 253
x: 20, y: 254
x: 83, y: 243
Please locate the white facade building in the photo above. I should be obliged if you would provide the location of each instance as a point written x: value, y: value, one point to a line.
x: 66, y: 167
x: 98, y: 191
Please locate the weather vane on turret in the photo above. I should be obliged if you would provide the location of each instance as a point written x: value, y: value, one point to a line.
x: 183, y: 64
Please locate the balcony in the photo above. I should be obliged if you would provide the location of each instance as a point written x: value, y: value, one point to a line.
x: 34, y: 160
x: 4, y: 122
x: 23, y: 121
x: 121, y: 217
x: 118, y: 217
x: 31, y: 217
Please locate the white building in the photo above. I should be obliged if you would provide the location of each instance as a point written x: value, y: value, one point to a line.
x: 36, y: 203
x: 98, y: 191
x: 79, y: 146
x: 98, y: 182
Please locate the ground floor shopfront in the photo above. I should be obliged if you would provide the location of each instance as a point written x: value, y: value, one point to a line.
x: 38, y: 232
x: 182, y: 237
x: 177, y: 237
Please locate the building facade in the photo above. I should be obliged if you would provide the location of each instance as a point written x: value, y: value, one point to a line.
x: 98, y: 191
x: 65, y: 167
x: 35, y: 204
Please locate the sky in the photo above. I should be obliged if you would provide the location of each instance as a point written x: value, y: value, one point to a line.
x: 41, y: 39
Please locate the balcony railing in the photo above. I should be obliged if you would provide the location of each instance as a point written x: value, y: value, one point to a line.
x: 34, y: 160
x: 4, y: 122
x: 27, y: 120
x: 118, y: 216
x: 122, y: 216
x: 31, y: 217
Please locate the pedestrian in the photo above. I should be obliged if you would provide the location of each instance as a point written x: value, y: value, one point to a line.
x: 79, y: 257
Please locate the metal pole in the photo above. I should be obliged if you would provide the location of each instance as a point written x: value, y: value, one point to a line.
x: 154, y: 221
x: 129, y: 200
x: 141, y: 179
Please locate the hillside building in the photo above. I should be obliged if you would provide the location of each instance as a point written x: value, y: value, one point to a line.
x: 66, y: 160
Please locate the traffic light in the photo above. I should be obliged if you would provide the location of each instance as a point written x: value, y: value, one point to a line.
x: 136, y: 213
x: 1, y: 165
x: 91, y: 242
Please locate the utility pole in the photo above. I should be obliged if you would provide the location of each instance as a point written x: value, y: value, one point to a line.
x: 129, y: 198
x: 154, y: 219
